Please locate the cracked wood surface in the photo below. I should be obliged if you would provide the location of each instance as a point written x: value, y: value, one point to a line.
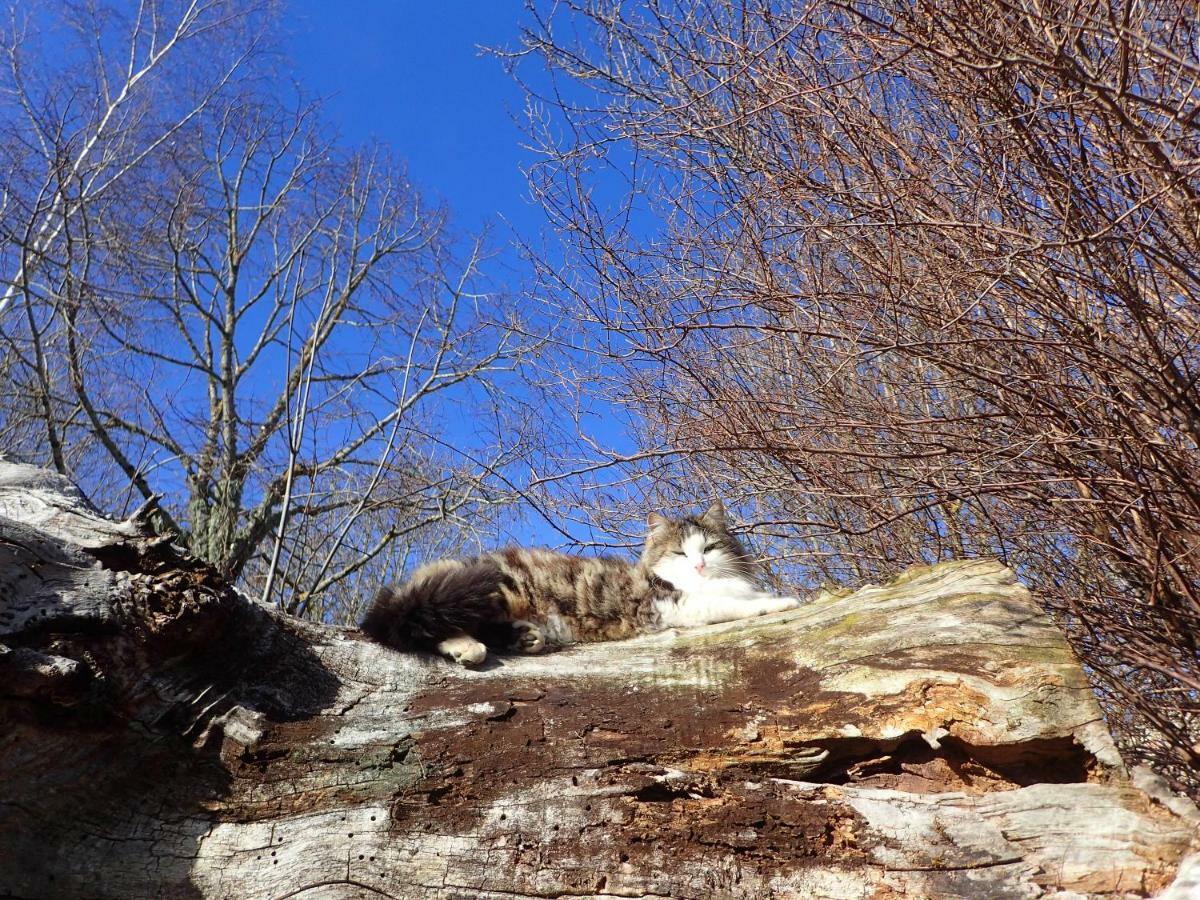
x: 163, y: 736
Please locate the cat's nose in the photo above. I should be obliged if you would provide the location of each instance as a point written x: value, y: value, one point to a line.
x: 700, y: 567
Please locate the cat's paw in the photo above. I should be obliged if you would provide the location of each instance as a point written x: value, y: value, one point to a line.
x: 463, y: 649
x: 528, y: 638
x: 780, y: 604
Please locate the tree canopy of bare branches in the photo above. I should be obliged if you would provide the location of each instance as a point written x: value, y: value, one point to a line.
x: 915, y: 281
x: 211, y: 306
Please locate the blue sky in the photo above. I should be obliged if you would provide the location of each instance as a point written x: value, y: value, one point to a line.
x: 411, y: 74
x: 414, y: 76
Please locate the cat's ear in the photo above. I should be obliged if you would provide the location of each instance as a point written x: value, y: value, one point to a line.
x: 654, y: 520
x: 714, y: 516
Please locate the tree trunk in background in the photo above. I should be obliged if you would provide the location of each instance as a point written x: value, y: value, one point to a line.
x: 163, y: 736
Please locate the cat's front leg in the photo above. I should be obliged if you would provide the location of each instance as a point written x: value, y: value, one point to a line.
x: 769, y: 603
x: 691, y: 611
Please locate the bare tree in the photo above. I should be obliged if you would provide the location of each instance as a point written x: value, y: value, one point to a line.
x: 913, y: 281
x: 258, y: 333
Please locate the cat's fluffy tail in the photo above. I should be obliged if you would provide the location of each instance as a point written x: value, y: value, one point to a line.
x: 440, y: 600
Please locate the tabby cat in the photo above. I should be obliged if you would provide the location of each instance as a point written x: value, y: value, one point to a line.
x: 692, y: 571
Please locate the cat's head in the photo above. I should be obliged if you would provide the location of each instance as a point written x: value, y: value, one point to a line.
x: 689, y: 550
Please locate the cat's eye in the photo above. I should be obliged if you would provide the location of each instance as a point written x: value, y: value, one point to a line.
x: 709, y: 548
x: 678, y: 553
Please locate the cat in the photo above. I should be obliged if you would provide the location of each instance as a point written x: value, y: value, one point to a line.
x: 692, y: 571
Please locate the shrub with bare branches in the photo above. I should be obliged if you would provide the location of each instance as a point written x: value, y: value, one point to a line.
x: 918, y: 280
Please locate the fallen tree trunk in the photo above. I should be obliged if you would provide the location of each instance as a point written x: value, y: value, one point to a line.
x: 164, y: 736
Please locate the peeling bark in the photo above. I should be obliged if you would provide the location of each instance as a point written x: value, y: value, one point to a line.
x: 164, y: 736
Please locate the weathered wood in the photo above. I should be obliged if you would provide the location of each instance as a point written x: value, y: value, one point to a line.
x: 164, y: 736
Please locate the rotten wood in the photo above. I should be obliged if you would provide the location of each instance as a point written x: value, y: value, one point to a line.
x: 164, y: 736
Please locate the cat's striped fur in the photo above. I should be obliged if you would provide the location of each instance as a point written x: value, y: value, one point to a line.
x: 692, y: 571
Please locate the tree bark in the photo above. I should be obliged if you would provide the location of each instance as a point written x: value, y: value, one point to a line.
x: 164, y: 736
